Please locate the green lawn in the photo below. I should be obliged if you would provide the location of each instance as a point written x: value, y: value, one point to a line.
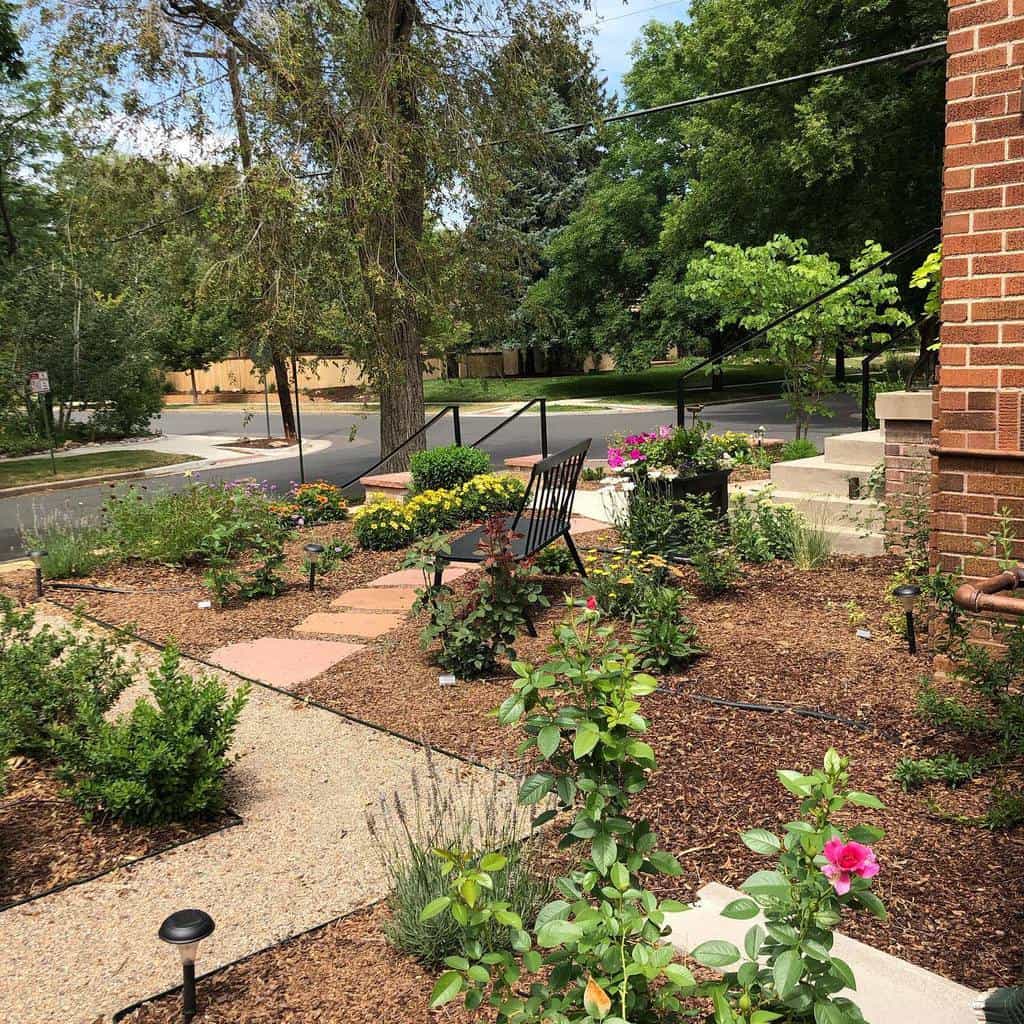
x: 70, y: 467
x: 657, y: 381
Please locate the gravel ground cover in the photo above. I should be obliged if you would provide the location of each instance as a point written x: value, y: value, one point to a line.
x: 47, y: 844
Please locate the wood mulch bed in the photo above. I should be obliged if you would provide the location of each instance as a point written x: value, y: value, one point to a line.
x: 785, y: 637
x: 46, y: 844
x: 345, y: 971
x: 165, y: 603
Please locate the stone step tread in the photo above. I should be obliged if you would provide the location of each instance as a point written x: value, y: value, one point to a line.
x: 889, y: 990
x: 789, y: 497
x: 282, y: 661
x: 820, y: 462
x: 377, y: 599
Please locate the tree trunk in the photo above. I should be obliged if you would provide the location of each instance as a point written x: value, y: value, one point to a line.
x: 195, y: 390
x: 5, y: 217
x: 284, y: 397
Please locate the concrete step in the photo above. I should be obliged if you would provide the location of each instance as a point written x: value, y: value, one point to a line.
x: 855, y: 542
x: 863, y: 449
x: 823, y: 509
x: 387, y: 485
x: 889, y: 990
x: 818, y: 476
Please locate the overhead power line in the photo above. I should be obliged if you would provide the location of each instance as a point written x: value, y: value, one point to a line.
x: 806, y: 76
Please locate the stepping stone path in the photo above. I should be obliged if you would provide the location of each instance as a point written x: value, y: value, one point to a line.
x: 281, y: 662
x: 370, y: 625
x: 581, y: 524
x: 414, y: 577
x: 378, y: 599
x: 303, y: 783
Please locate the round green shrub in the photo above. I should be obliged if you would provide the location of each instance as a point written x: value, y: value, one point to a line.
x: 802, y: 449
x: 448, y: 467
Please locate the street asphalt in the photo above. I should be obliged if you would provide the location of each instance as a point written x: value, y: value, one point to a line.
x: 354, y: 447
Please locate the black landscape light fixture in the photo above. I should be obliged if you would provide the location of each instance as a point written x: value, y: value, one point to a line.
x: 760, y: 434
x: 37, y: 560
x: 695, y: 410
x: 313, y: 553
x: 186, y: 929
x: 907, y: 596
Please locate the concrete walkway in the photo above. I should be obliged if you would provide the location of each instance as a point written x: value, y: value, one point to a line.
x: 889, y: 990
x: 303, y: 785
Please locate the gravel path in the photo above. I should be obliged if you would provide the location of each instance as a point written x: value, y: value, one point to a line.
x: 303, y: 783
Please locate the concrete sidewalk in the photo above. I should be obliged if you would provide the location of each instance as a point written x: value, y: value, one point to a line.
x: 208, y: 452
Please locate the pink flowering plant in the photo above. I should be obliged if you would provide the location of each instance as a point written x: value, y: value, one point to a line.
x: 790, y: 973
x: 676, y: 451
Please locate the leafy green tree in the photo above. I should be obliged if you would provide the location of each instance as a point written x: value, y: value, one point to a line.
x: 11, y: 64
x: 378, y: 107
x: 751, y: 287
x: 834, y: 161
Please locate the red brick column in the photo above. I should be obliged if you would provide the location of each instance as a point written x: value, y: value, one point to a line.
x: 978, y: 441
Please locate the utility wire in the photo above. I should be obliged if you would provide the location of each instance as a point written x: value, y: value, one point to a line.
x: 633, y: 14
x: 806, y: 76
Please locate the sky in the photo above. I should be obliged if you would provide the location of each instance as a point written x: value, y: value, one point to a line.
x: 618, y: 25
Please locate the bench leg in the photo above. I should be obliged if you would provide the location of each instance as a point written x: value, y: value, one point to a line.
x: 439, y: 567
x: 575, y: 555
x: 530, y: 627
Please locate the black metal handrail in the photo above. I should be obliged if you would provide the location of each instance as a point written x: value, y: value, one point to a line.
x: 902, y: 251
x: 508, y: 419
x: 456, y: 431
x: 865, y: 367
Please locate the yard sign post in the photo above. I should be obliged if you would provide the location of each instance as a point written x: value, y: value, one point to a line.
x: 39, y: 385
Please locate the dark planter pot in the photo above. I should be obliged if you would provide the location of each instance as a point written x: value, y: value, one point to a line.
x: 715, y: 485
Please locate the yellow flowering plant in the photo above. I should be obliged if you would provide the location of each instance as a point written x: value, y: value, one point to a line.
x: 383, y: 525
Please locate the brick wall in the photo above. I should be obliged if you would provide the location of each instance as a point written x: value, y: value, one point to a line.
x: 978, y: 429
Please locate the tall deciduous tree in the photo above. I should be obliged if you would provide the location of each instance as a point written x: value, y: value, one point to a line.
x: 834, y: 161
x: 750, y: 288
x: 389, y: 100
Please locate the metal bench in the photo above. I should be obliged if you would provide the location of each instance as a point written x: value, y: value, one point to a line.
x: 543, y: 516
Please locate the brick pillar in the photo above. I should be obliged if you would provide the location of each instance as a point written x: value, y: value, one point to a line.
x: 978, y: 444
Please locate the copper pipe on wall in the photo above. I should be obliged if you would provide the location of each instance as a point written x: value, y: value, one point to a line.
x: 986, y: 595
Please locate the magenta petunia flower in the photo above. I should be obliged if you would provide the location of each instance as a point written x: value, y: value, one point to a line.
x: 846, y: 860
x: 614, y: 458
x: 637, y: 455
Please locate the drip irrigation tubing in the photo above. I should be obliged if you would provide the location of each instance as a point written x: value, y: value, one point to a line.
x: 93, y: 588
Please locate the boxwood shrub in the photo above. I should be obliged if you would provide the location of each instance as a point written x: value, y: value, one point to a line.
x: 445, y: 468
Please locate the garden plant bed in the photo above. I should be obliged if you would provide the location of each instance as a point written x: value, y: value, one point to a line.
x: 345, y: 971
x: 785, y: 637
x: 164, y: 604
x: 48, y: 845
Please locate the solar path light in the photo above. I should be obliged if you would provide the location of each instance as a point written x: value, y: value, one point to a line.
x: 37, y: 560
x: 313, y: 553
x: 907, y: 596
x: 186, y: 929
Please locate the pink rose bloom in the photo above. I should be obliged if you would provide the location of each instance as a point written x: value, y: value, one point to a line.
x: 846, y: 860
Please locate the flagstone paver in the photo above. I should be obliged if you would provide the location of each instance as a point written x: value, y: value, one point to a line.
x: 414, y: 577
x: 282, y: 662
x: 368, y: 625
x: 581, y: 524
x: 377, y: 599
x: 303, y: 784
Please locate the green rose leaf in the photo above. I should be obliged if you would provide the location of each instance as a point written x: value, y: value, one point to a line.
x: 761, y: 841
x: 679, y: 975
x: 536, y: 787
x: 764, y: 1017
x: 869, y: 901
x: 865, y: 800
x: 548, y: 739
x: 435, y: 907
x: 587, y: 736
x: 829, y: 1013
x: 493, y: 862
x: 665, y: 863
x: 769, y: 884
x: 603, y: 850
x: 741, y: 910
x: 557, y: 932
x: 448, y: 986
x: 842, y: 970
x: 715, y: 953
x: 753, y: 941
x: 786, y: 972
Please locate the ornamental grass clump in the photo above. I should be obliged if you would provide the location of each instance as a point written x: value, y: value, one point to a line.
x: 596, y: 952
x: 452, y: 815
x: 790, y: 973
